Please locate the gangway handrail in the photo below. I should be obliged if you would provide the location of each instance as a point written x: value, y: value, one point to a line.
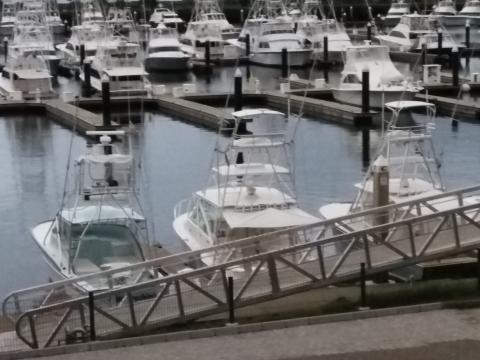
x: 232, y: 263
x: 448, y: 220
x: 191, y: 255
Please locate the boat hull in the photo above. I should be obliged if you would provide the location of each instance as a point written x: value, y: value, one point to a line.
x: 377, y: 98
x: 333, y: 56
x: 274, y: 58
x: 453, y: 21
x: 166, y: 63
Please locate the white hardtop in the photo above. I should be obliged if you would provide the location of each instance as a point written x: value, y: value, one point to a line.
x: 238, y: 196
x: 125, y: 71
x: 268, y: 218
x: 248, y: 113
x: 104, y: 159
x: 99, y: 213
x: 32, y: 74
x: 401, y: 104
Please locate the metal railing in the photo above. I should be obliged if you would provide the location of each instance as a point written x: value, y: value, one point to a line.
x: 264, y: 267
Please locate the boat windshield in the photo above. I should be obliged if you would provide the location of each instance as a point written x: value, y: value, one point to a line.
x: 100, y: 246
x: 163, y: 48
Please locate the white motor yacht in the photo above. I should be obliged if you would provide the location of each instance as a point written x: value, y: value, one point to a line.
x: 251, y: 191
x: 121, y: 64
x: 386, y: 82
x: 396, y: 11
x: 413, y: 31
x: 164, y: 51
x: 100, y: 225
x: 198, y: 35
x: 167, y: 17
x: 25, y: 76
x: 50, y: 8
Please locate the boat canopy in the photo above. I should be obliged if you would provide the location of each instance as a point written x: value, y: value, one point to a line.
x: 268, y: 218
x: 249, y: 113
x: 400, y: 105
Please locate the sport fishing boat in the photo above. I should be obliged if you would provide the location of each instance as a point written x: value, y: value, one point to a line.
x: 121, y: 64
x: 405, y: 167
x: 416, y: 30
x: 210, y: 11
x: 251, y: 187
x: 395, y: 12
x: 164, y: 51
x: 50, y: 8
x: 198, y: 36
x: 313, y: 30
x: 386, y: 82
x: 446, y: 14
x: 31, y: 35
x: 100, y: 225
x: 9, y: 13
x: 167, y: 17
x: 25, y: 76
x: 471, y: 12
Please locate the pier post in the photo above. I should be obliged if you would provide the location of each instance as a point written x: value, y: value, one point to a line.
x: 365, y: 91
x: 424, y: 54
x: 238, y: 96
x: 350, y: 11
x: 440, y: 41
x: 82, y: 54
x: 65, y: 27
x: 106, y: 101
x: 241, y: 16
x: 231, y: 304
x: 91, y: 313
x: 455, y: 66
x: 369, y: 31
x: 365, y: 146
x: 87, y: 85
x: 247, y: 45
x: 467, y: 34
x: 363, y: 288
x: 325, y: 49
x: 5, y: 48
x: 478, y: 269
x: 284, y: 63
x: 207, y: 54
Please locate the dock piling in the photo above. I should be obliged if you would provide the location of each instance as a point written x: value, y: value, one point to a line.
x: 365, y: 147
x: 350, y: 11
x: 82, y: 54
x: 87, y: 85
x: 369, y: 31
x: 247, y: 45
x: 478, y: 269
x: 440, y: 41
x: 238, y: 95
x: 207, y: 54
x: 284, y: 63
x: 231, y: 304
x: 325, y: 49
x: 363, y: 288
x: 467, y: 34
x: 365, y: 91
x: 455, y: 66
x: 5, y: 48
x: 106, y: 102
x: 424, y: 54
x: 91, y: 313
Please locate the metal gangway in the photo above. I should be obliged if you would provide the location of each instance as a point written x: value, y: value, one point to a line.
x: 404, y: 234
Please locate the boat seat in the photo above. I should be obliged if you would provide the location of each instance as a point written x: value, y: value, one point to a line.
x: 85, y: 266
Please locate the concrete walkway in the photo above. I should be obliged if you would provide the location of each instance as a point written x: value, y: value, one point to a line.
x: 442, y: 334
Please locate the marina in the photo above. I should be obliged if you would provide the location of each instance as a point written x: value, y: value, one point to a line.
x: 172, y: 172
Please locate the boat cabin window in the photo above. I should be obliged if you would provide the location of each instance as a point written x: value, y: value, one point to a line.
x: 70, y: 46
x: 127, y: 78
x: 163, y: 48
x: 317, y: 45
x: 201, y: 44
x: 398, y: 34
x: 264, y: 45
x: 96, y: 246
x: 351, y: 79
x: 186, y: 42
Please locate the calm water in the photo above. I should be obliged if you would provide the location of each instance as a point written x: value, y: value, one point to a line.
x: 176, y: 159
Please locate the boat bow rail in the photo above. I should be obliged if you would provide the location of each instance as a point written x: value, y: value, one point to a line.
x: 412, y: 232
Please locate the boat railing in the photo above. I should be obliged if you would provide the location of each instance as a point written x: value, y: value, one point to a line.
x: 182, y: 207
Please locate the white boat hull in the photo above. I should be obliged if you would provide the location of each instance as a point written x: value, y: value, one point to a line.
x: 377, y: 97
x: 296, y: 58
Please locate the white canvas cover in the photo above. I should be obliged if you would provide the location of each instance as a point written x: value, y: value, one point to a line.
x: 95, y: 213
x: 268, y: 218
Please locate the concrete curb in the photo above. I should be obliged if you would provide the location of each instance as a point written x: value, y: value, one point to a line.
x: 232, y: 330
